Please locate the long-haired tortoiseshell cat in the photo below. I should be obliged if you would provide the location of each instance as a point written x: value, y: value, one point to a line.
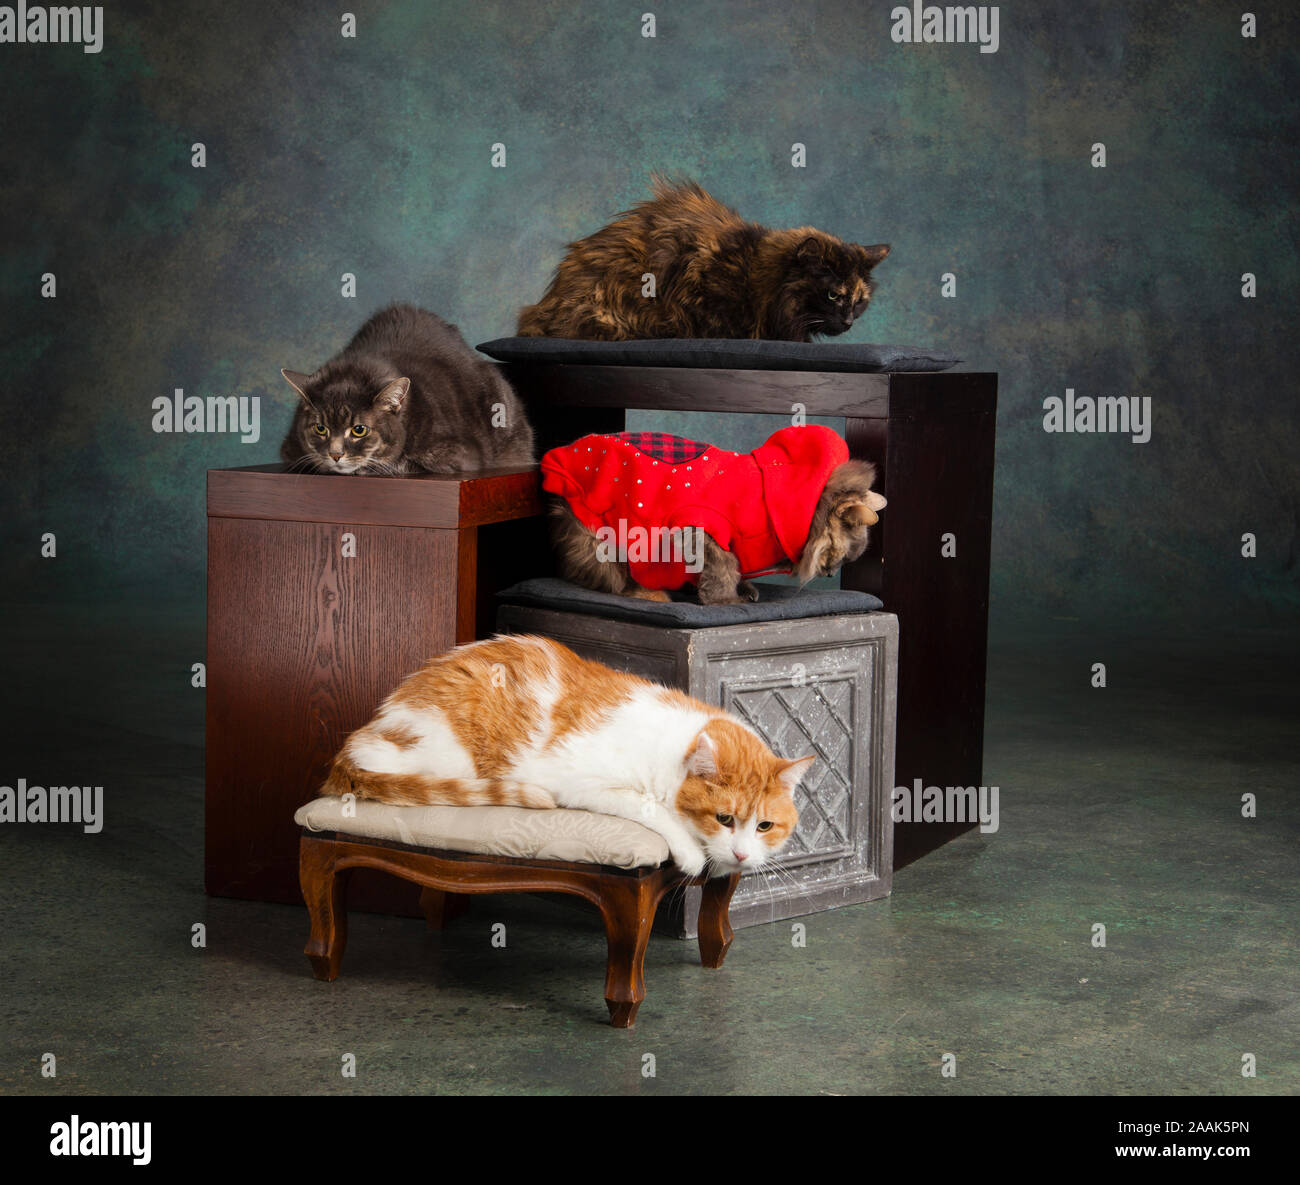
x: 626, y: 509
x: 524, y: 721
x: 716, y: 275
x: 405, y: 395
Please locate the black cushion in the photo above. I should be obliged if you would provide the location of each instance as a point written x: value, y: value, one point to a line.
x: 776, y: 602
x: 720, y: 354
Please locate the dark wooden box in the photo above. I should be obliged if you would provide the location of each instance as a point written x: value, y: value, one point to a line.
x: 931, y: 435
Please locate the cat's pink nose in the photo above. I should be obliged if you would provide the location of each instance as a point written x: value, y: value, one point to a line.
x: 335, y: 456
x: 741, y: 856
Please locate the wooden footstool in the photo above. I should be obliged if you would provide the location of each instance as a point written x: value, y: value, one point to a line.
x: 620, y: 866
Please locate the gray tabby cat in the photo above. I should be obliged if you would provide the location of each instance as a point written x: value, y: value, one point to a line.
x: 407, y: 394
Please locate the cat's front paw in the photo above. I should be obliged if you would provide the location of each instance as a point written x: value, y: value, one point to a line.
x: 747, y: 590
x: 690, y: 860
x: 649, y: 594
x: 713, y: 595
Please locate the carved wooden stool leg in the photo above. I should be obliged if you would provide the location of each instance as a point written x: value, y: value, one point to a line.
x: 628, y: 907
x: 715, y: 919
x: 325, y: 891
x: 441, y: 908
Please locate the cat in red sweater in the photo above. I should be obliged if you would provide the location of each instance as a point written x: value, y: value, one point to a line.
x: 642, y: 513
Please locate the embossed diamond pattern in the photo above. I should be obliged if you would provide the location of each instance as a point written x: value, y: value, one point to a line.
x: 815, y: 718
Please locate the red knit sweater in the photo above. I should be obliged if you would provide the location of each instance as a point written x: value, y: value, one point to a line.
x: 757, y: 505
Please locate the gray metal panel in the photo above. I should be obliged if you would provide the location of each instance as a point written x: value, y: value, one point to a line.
x: 825, y: 685
x: 649, y: 651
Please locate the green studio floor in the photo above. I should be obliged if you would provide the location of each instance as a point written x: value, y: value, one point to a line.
x: 1119, y: 806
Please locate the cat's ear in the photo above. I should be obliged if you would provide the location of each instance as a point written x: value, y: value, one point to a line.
x: 792, y: 772
x: 810, y: 250
x: 393, y: 396
x: 702, y: 758
x: 298, y: 381
x: 875, y: 253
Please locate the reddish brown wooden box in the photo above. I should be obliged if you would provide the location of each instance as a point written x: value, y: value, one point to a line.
x: 304, y: 642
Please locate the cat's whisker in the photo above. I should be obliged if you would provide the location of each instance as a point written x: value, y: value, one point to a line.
x: 771, y: 895
x: 797, y: 891
x: 761, y: 877
x: 677, y: 895
x: 305, y: 461
x: 676, y: 898
x: 767, y: 888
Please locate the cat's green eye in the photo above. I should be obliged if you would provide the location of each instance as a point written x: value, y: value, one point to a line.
x: 359, y: 430
x: 765, y: 825
x: 726, y: 820
x: 321, y: 430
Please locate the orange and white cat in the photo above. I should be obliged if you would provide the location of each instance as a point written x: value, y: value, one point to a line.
x: 524, y: 721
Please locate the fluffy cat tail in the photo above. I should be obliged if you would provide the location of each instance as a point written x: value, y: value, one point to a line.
x: 416, y: 789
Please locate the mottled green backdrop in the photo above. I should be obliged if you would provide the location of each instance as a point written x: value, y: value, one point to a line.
x: 372, y: 156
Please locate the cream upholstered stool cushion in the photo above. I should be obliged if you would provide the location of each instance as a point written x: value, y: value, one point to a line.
x: 583, y: 837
